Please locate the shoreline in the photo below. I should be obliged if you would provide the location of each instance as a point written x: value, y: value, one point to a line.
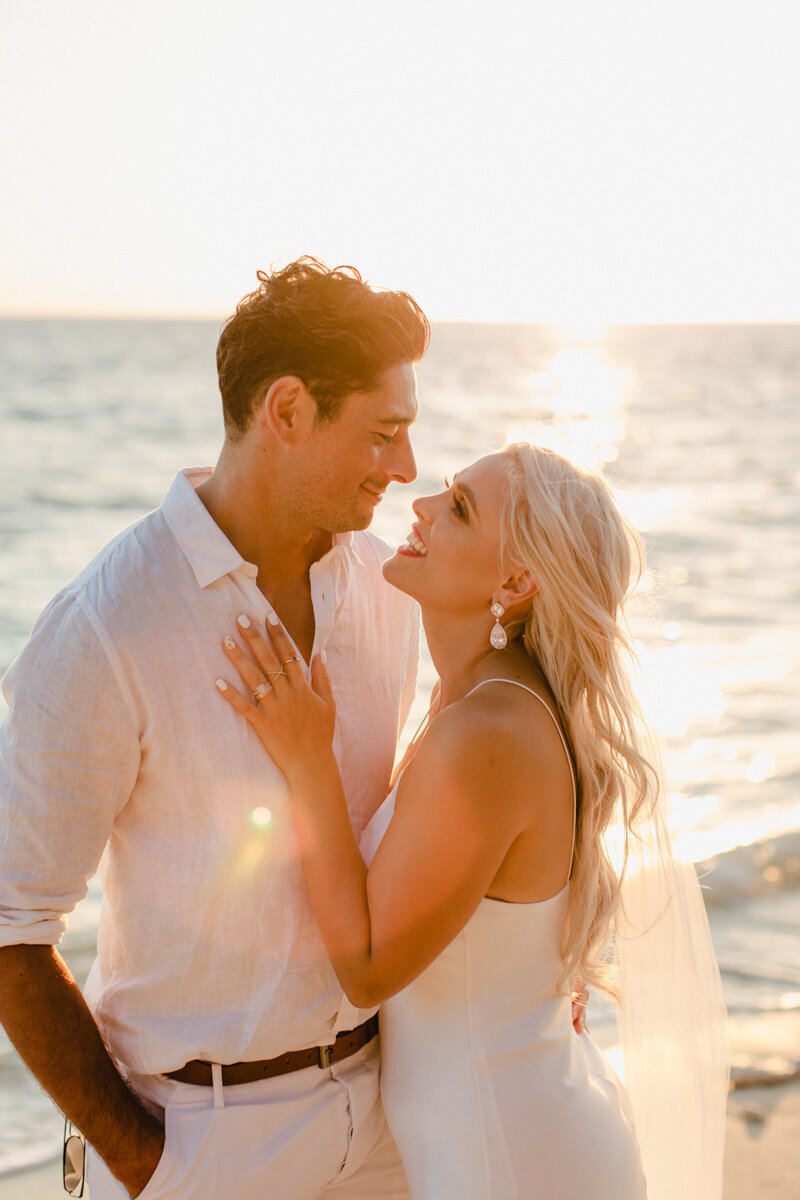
x: 761, y: 1155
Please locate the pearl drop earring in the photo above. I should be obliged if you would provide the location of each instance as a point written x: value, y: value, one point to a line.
x: 498, y: 636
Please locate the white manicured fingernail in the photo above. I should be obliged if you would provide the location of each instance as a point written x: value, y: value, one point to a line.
x: 229, y: 643
x: 243, y: 621
x: 323, y: 658
x: 272, y: 617
x: 222, y: 685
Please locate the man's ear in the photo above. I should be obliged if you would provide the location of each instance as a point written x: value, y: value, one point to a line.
x: 518, y: 588
x: 288, y: 409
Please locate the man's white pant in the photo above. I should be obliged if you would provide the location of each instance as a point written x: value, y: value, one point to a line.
x: 314, y: 1133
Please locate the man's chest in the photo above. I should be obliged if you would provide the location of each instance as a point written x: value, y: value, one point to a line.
x: 295, y: 609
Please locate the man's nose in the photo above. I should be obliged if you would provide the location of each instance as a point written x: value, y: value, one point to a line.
x: 403, y: 467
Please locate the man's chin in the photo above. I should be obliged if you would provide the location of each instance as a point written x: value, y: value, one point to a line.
x: 360, y: 520
x: 364, y: 519
x: 352, y: 523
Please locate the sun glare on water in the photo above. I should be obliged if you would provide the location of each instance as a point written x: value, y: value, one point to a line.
x: 586, y: 396
x: 578, y: 404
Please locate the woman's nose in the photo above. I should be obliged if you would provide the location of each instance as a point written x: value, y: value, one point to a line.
x: 422, y: 507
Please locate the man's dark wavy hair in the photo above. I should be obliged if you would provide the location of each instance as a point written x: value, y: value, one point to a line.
x: 326, y: 326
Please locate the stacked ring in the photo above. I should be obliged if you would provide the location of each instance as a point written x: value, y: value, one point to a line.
x: 294, y: 658
x: 261, y: 691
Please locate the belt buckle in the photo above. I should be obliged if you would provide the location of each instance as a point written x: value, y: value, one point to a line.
x: 325, y: 1054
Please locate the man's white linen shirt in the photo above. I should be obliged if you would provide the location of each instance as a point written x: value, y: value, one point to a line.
x: 118, y: 745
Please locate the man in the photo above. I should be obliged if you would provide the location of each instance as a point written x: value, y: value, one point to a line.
x: 211, y: 987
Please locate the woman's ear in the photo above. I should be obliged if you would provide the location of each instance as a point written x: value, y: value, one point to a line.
x: 287, y: 408
x: 517, y: 589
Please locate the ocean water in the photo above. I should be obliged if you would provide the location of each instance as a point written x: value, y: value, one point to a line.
x: 697, y: 429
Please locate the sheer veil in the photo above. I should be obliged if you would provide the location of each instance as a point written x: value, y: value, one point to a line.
x: 563, y: 524
x: 672, y: 1019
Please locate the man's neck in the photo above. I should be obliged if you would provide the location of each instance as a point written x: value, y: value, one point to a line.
x: 255, y: 521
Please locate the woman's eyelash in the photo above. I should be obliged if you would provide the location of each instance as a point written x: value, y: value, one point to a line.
x: 458, y: 507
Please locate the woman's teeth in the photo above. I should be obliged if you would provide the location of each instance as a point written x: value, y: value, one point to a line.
x: 416, y: 545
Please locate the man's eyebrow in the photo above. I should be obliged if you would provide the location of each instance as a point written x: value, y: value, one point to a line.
x: 467, y: 493
x: 396, y: 420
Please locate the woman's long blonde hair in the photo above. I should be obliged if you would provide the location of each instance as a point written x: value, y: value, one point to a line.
x: 562, y: 524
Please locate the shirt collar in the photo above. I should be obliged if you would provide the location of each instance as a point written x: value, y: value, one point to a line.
x: 348, y: 542
x: 208, y: 551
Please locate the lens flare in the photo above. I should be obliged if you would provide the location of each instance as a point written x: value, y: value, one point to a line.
x: 261, y: 817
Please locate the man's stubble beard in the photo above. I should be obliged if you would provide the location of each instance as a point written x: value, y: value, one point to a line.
x: 356, y: 523
x: 338, y: 520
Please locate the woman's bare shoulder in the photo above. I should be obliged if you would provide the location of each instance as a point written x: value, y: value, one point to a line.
x: 496, y: 740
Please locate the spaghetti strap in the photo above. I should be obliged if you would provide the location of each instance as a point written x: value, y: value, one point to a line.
x: 560, y: 733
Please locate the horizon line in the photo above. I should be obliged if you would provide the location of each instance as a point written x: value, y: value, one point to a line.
x: 578, y: 324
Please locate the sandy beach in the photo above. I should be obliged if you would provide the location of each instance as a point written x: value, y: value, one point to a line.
x: 762, y: 1151
x: 762, y: 1144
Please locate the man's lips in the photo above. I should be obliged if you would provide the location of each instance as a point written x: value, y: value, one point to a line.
x: 376, y: 493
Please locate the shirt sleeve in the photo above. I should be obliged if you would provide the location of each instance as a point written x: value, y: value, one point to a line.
x: 69, y: 757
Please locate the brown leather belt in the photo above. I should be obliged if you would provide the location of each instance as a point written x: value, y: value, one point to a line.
x: 199, y: 1072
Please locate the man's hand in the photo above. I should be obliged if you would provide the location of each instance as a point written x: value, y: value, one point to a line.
x: 138, y: 1175
x: 48, y: 1022
x: 580, y: 998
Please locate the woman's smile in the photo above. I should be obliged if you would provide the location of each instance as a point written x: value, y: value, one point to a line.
x: 414, y: 546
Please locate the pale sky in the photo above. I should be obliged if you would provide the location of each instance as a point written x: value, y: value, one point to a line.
x: 580, y: 162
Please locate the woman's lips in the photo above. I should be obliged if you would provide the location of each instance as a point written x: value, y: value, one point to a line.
x: 414, y: 546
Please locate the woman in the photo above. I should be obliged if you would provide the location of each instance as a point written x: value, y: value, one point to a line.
x: 486, y: 885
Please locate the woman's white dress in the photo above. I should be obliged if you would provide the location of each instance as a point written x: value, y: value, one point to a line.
x: 489, y: 1092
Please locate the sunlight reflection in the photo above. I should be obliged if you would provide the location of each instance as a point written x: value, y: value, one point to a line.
x: 581, y: 384
x: 760, y: 767
x: 683, y: 814
x: 647, y: 509
x: 675, y: 689
x: 614, y: 843
x: 586, y: 397
x: 686, y: 811
x: 696, y: 845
